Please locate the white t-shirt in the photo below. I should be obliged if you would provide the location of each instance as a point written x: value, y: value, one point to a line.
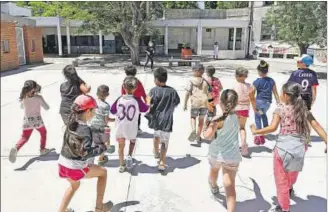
x: 127, y: 114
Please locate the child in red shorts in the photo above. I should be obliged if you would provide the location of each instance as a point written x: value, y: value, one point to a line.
x: 243, y: 90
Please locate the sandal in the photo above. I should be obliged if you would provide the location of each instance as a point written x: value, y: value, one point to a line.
x: 105, y: 207
x: 161, y: 167
x: 69, y: 210
x: 214, y: 189
x: 122, y: 168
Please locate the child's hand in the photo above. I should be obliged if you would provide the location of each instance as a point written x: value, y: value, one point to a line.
x: 185, y: 108
x: 210, y: 107
x: 253, y: 129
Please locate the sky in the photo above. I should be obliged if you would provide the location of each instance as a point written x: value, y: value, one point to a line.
x: 201, y: 4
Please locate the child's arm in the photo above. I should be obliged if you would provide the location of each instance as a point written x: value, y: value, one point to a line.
x: 176, y: 99
x: 252, y: 98
x: 317, y: 127
x: 143, y: 92
x: 314, y: 93
x: 275, y: 93
x: 44, y: 104
x: 209, y: 131
x: 186, y: 100
x: 269, y: 129
x: 84, y: 88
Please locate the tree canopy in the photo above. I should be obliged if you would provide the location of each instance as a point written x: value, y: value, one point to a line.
x: 180, y: 4
x: 232, y: 4
x: 300, y: 23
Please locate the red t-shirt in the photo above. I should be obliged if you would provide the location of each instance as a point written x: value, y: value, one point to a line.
x: 139, y: 92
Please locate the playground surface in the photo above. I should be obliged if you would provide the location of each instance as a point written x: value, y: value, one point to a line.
x: 33, y: 184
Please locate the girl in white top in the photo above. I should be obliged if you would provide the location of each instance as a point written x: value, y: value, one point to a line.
x: 31, y: 102
x: 127, y: 109
x: 224, y: 148
x: 216, y: 50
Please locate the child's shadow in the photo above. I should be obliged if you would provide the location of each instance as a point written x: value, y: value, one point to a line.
x: 254, y: 205
x: 51, y: 156
x: 257, y: 149
x: 119, y: 206
x: 315, y: 203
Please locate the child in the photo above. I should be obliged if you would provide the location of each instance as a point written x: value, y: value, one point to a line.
x: 307, y: 79
x: 69, y: 90
x: 294, y: 119
x: 77, y: 148
x: 198, y: 90
x: 243, y: 90
x: 263, y: 87
x: 216, y: 50
x: 224, y: 149
x: 163, y: 100
x: 138, y: 93
x: 215, y: 84
x: 98, y: 124
x: 127, y: 109
x: 31, y: 102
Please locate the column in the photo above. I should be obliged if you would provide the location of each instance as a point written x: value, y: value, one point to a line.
x: 68, y: 38
x: 166, y: 40
x: 60, y: 46
x: 234, y: 40
x: 199, y: 38
x: 100, y: 42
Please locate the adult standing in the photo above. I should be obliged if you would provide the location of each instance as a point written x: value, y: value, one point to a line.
x: 150, y: 51
x: 69, y: 90
x: 216, y: 51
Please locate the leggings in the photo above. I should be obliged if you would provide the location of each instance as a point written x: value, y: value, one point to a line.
x: 151, y: 61
x: 26, y: 135
x: 284, y: 181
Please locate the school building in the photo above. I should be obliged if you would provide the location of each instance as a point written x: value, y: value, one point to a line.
x: 21, y: 39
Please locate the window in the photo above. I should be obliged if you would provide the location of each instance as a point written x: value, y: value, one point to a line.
x: 5, y: 46
x: 238, y: 38
x: 266, y: 31
x: 33, y: 46
x: 208, y: 30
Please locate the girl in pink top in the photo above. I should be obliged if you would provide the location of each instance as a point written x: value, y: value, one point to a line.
x: 243, y: 90
x: 31, y: 102
x: 214, y: 82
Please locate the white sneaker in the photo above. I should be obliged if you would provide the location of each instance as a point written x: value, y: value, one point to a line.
x: 13, y: 155
x: 45, y: 151
x: 122, y: 168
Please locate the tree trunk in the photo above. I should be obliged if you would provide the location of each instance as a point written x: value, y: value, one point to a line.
x: 135, y: 56
x: 303, y: 48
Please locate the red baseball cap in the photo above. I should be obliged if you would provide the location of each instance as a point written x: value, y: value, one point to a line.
x: 85, y: 102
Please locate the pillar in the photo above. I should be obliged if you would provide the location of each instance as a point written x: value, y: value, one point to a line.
x: 68, y: 38
x: 166, y: 40
x: 100, y: 42
x: 199, y: 38
x: 60, y: 45
x: 234, y: 40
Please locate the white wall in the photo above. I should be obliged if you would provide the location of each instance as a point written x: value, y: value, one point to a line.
x: 220, y: 35
x: 181, y: 35
x: 12, y: 9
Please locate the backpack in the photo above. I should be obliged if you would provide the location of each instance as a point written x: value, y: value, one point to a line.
x: 200, y: 87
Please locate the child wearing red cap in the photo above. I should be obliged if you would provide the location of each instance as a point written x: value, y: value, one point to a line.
x: 77, y: 149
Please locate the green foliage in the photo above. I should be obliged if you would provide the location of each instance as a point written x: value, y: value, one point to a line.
x: 301, y: 23
x: 180, y: 4
x: 210, y: 5
x: 232, y: 4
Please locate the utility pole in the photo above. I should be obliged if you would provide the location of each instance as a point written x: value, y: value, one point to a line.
x: 250, y: 27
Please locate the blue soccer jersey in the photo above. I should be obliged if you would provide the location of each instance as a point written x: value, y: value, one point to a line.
x: 306, y: 78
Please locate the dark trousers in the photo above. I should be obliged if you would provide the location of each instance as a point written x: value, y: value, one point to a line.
x: 139, y: 121
x: 148, y: 57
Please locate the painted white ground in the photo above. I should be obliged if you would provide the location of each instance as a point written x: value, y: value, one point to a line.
x: 32, y: 183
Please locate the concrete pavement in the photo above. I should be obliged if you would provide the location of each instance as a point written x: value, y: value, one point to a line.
x: 32, y: 183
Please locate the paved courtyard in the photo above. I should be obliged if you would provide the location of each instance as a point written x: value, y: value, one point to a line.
x: 33, y: 184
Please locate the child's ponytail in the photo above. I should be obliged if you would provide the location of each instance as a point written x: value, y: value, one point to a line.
x: 229, y: 98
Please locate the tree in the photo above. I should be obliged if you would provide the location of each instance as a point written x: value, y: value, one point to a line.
x: 300, y: 23
x: 210, y: 5
x: 232, y: 4
x: 180, y: 4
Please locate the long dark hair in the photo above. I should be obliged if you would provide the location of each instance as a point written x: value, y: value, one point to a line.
x: 229, y: 98
x: 293, y: 91
x: 71, y: 75
x: 71, y: 138
x: 29, y: 86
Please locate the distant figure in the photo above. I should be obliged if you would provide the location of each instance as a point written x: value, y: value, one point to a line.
x: 150, y: 51
x: 216, y: 50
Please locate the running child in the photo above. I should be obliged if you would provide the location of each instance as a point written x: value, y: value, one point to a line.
x: 224, y: 150
x: 69, y: 90
x: 163, y: 100
x: 138, y: 93
x: 99, y: 123
x: 294, y: 120
x: 127, y: 109
x: 198, y: 90
x: 77, y: 149
x: 215, y: 84
x: 31, y: 102
x: 243, y: 90
x: 263, y: 87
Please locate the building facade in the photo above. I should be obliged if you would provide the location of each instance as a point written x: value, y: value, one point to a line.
x: 21, y: 39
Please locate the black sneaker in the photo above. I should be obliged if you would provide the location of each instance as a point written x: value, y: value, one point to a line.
x: 278, y: 209
x: 291, y: 192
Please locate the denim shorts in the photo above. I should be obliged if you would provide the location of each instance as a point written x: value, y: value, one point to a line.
x: 195, y: 112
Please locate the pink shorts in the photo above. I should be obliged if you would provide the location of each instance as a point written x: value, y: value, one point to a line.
x: 243, y: 113
x: 73, y: 174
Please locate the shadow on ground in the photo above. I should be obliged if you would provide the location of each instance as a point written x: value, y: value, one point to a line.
x: 254, y: 205
x: 52, y: 156
x: 257, y: 149
x: 119, y: 206
x: 172, y: 165
x: 22, y: 69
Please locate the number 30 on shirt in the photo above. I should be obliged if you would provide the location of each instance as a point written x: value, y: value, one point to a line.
x: 127, y: 112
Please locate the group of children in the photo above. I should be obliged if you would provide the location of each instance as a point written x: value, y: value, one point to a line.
x: 221, y: 118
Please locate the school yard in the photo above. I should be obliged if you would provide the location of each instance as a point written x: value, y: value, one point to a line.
x: 33, y: 184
